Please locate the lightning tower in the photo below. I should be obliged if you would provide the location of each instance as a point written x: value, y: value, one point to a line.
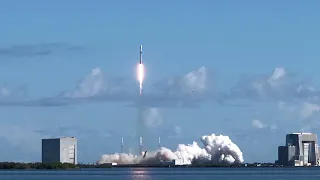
x: 141, y: 144
x: 121, y: 144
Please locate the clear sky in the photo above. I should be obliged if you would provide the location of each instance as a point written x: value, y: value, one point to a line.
x: 68, y: 68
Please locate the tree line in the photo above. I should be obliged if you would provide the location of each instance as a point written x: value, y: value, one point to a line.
x: 48, y: 166
x: 16, y: 165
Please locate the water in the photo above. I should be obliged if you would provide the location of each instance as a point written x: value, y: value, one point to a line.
x: 165, y: 173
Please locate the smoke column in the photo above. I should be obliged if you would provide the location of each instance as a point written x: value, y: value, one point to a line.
x: 216, y: 150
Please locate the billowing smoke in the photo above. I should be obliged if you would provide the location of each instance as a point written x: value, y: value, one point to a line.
x: 216, y: 150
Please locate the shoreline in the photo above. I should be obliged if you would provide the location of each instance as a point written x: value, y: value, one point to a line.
x: 66, y: 166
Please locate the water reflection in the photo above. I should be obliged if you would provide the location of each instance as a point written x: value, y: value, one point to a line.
x: 140, y: 174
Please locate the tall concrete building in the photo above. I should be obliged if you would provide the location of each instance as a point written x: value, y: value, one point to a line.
x: 57, y: 150
x: 301, y: 149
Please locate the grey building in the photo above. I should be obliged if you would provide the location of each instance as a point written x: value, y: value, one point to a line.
x: 286, y: 155
x: 300, y: 149
x: 57, y: 150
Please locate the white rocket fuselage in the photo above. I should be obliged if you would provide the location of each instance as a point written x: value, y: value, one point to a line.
x: 140, y: 54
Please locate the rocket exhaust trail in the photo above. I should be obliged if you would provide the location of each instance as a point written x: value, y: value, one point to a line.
x: 140, y: 125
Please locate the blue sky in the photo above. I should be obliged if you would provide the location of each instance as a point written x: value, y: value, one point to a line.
x: 68, y: 68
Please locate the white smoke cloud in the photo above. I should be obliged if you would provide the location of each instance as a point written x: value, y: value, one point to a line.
x: 13, y: 96
x: 275, y: 78
x: 303, y: 116
x: 273, y: 127
x: 4, y: 92
x: 174, y: 131
x: 181, y: 91
x: 187, y: 91
x: 303, y: 110
x: 279, y: 85
x: 283, y: 106
x: 92, y: 85
x: 258, y: 124
x: 177, y: 131
x: 97, y: 84
x: 192, y: 83
x: 7, y: 92
x: 152, y: 117
x: 308, y: 109
x: 216, y: 150
x: 21, y: 136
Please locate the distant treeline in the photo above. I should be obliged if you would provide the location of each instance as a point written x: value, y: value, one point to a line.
x: 14, y: 165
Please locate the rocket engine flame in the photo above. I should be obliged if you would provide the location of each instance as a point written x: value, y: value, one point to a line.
x: 140, y: 74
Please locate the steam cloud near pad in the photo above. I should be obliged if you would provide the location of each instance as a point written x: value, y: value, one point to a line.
x: 216, y: 150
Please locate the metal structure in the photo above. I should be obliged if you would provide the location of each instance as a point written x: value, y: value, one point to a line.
x: 63, y: 150
x: 121, y: 144
x: 141, y: 149
x: 301, y: 149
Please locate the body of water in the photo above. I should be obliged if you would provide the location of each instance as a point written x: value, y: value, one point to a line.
x: 165, y: 173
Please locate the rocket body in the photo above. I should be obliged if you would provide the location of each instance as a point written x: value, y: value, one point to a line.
x: 140, y: 54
